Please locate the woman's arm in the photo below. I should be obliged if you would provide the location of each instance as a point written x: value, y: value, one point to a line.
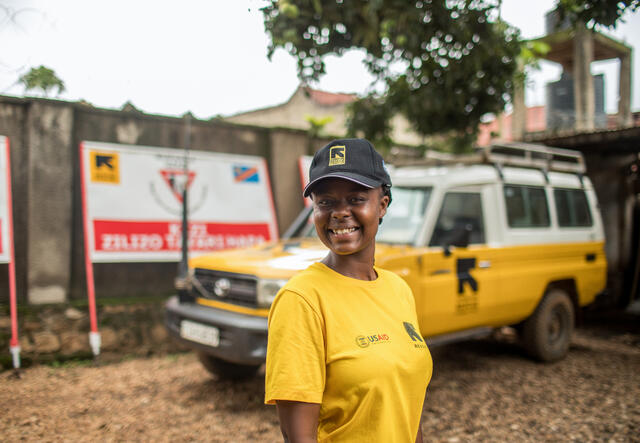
x: 298, y: 421
x: 419, y: 436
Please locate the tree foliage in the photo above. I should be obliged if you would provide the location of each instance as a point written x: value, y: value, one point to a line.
x: 595, y: 12
x: 42, y: 78
x: 443, y: 63
x: 317, y: 124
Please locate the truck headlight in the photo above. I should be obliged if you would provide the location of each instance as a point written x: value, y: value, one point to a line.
x: 267, y: 290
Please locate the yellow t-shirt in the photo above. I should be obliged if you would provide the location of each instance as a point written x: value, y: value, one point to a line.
x: 352, y: 346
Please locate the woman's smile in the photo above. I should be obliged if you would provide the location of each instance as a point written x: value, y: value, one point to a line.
x: 343, y: 231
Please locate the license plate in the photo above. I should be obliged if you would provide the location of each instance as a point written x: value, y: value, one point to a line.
x: 207, y: 335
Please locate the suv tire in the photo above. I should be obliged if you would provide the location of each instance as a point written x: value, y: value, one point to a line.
x: 547, y: 333
x: 226, y: 370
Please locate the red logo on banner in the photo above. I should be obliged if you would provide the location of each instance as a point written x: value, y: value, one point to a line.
x: 175, y: 179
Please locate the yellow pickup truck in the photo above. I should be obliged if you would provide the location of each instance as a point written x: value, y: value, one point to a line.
x: 509, y: 236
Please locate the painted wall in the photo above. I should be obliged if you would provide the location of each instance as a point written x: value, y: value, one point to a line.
x: 45, y: 135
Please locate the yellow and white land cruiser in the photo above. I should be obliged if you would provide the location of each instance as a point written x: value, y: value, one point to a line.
x: 509, y: 236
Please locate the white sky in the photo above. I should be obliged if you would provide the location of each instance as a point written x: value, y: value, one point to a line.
x: 207, y: 56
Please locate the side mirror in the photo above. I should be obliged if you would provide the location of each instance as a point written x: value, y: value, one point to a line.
x: 460, y: 238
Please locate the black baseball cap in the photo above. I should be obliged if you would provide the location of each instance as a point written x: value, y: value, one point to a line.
x: 353, y: 159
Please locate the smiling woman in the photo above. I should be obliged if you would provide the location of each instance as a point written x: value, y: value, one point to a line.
x: 344, y: 361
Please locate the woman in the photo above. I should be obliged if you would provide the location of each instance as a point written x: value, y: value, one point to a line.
x: 344, y: 360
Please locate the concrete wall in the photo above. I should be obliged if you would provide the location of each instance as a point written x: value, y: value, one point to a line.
x: 45, y: 135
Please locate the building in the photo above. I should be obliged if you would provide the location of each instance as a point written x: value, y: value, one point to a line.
x: 307, y: 102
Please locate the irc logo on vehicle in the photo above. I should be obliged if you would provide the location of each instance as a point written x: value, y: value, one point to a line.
x: 337, y: 155
x: 246, y: 174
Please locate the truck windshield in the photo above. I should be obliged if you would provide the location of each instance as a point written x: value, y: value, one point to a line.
x: 403, y: 220
x: 404, y: 216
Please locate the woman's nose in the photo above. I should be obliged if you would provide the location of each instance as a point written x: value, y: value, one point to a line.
x: 341, y: 209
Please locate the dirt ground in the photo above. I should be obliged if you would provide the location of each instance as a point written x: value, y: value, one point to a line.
x: 484, y: 390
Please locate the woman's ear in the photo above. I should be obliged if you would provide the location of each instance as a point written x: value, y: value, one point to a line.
x: 384, y: 203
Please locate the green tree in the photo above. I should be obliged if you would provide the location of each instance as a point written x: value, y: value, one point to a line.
x: 606, y: 13
x: 317, y: 124
x: 443, y: 63
x: 42, y: 78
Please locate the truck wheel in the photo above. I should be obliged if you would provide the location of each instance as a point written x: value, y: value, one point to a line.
x: 547, y: 333
x: 226, y: 370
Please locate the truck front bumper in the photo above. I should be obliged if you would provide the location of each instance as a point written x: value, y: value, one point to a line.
x: 243, y: 338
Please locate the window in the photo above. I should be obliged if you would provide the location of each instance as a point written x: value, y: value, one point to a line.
x: 526, y: 206
x: 572, y: 208
x: 404, y: 216
x: 459, y: 210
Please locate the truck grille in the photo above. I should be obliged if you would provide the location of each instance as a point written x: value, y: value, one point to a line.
x: 237, y: 289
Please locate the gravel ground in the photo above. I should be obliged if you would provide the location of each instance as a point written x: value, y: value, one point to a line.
x: 484, y: 390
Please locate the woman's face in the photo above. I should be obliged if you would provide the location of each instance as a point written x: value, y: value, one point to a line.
x: 346, y: 215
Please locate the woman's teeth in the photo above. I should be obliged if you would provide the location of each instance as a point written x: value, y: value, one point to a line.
x: 343, y: 231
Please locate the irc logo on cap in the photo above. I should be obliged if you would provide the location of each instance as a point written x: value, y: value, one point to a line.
x: 337, y: 155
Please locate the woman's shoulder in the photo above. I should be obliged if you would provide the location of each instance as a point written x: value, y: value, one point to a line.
x: 307, y: 278
x: 305, y: 283
x: 391, y: 277
x: 398, y: 284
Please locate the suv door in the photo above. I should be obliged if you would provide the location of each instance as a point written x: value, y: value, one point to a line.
x: 457, y: 283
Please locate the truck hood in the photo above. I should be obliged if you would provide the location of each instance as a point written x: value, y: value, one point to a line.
x: 277, y: 260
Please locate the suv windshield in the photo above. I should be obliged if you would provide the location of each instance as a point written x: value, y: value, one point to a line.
x: 404, y: 216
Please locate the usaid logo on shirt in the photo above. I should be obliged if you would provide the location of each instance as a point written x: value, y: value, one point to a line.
x: 374, y: 339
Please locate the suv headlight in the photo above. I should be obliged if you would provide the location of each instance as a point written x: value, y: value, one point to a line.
x: 267, y: 290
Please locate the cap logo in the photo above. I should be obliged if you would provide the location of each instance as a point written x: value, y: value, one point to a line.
x: 337, y: 155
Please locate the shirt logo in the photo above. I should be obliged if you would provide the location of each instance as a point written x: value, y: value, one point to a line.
x: 337, y: 155
x: 374, y: 339
x: 414, y: 335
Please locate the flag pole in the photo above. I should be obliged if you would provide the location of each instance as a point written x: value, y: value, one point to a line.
x: 183, y: 266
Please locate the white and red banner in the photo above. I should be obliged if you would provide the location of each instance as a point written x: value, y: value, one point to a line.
x: 5, y: 202
x: 304, y: 162
x: 133, y: 201
x: 7, y: 245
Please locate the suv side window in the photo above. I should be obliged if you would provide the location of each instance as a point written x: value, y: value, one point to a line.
x: 526, y: 206
x: 458, y: 210
x: 572, y: 208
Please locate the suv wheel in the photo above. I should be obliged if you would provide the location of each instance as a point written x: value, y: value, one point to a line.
x: 547, y: 333
x: 226, y: 370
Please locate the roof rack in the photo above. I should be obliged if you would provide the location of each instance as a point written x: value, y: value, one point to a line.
x: 524, y: 155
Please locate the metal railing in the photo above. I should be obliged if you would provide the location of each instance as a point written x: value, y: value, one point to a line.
x: 524, y: 155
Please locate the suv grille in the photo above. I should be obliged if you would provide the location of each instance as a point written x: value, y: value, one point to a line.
x: 237, y: 289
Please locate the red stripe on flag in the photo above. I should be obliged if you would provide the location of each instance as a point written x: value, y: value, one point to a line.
x: 246, y: 174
